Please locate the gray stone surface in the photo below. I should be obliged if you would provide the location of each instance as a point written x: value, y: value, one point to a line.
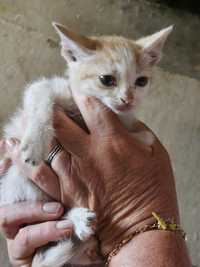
x: 29, y: 48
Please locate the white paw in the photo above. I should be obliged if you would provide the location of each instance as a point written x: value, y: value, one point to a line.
x: 84, y: 221
x: 33, y: 150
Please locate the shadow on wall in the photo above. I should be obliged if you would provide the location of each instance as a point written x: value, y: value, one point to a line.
x: 192, y: 6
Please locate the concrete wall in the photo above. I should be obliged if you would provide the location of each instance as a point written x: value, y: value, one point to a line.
x: 29, y: 48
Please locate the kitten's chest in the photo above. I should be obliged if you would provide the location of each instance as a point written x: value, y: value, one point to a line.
x: 128, y: 120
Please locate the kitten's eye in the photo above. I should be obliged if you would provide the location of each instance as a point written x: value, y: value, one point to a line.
x: 142, y: 81
x: 108, y: 80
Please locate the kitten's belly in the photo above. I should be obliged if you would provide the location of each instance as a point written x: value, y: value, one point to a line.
x: 16, y: 187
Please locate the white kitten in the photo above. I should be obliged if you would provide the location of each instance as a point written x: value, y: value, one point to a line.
x: 114, y: 69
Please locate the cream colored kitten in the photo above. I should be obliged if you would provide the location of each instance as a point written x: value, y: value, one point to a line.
x: 114, y: 69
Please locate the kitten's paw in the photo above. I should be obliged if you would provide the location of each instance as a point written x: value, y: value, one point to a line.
x: 32, y: 151
x: 84, y: 221
x: 30, y: 154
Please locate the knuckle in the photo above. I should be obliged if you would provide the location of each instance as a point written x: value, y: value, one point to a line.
x: 38, y: 176
x: 58, y: 119
x: 10, y: 233
x: 48, y: 228
x: 23, y: 238
x: 57, y: 124
x: 33, y: 209
x: 6, y: 226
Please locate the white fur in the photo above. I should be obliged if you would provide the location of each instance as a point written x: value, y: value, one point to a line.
x: 33, y: 126
x: 16, y: 187
x: 67, y: 250
x: 39, y: 100
x: 82, y: 219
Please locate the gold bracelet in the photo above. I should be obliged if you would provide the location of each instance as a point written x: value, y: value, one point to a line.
x: 160, y: 224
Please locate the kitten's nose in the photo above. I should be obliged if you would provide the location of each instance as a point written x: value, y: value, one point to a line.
x: 127, y: 99
x: 123, y: 100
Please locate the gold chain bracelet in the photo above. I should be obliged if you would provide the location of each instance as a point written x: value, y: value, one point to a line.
x: 160, y: 224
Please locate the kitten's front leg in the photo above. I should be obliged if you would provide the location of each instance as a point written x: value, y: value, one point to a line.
x: 38, y: 111
x: 34, y: 147
x: 39, y: 101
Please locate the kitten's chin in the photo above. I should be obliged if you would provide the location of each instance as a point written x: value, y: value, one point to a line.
x: 123, y: 109
x: 120, y: 109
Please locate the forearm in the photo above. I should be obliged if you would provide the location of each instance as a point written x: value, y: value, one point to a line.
x: 153, y: 249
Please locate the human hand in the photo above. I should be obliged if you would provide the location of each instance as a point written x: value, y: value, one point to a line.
x: 28, y: 225
x: 127, y: 180
x: 122, y: 179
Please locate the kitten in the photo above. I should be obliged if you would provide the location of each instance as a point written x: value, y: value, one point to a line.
x: 115, y: 70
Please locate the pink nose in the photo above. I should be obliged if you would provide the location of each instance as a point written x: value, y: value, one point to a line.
x: 127, y: 100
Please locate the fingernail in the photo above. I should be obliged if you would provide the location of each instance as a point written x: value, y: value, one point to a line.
x: 51, y: 207
x: 64, y: 224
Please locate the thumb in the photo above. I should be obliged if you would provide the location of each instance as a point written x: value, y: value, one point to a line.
x: 99, y: 118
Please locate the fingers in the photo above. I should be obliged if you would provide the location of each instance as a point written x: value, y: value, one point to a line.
x: 17, y: 214
x: 32, y: 237
x: 98, y: 117
x: 73, y: 138
x: 44, y: 177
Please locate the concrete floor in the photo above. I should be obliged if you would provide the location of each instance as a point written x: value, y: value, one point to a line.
x: 29, y: 48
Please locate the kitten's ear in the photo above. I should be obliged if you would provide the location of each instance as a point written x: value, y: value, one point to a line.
x: 74, y: 46
x: 152, y: 46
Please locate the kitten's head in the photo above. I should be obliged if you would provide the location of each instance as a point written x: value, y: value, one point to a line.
x: 114, y: 69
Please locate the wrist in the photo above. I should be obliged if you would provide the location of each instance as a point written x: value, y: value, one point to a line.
x: 130, y: 201
x: 153, y: 249
x: 118, y: 232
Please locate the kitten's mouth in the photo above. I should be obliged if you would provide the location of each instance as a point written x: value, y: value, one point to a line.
x: 124, y: 107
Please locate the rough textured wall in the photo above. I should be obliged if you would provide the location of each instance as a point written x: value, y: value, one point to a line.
x: 29, y: 48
